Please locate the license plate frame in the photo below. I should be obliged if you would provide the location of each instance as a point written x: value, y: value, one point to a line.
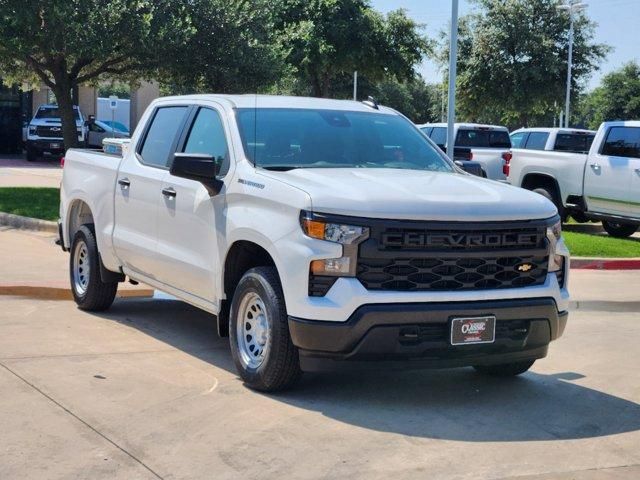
x: 480, y: 330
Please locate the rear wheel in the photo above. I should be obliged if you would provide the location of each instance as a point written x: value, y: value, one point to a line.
x: 89, y: 291
x: 505, y: 369
x: 619, y: 230
x: 549, y: 195
x: 261, y: 346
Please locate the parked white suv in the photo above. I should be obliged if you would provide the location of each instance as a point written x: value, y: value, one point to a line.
x: 490, y: 144
x: 588, y: 175
x: 320, y: 233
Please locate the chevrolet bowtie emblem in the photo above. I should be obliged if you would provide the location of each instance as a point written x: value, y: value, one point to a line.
x: 525, y: 267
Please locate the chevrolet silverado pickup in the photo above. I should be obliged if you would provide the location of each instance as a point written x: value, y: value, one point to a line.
x: 44, y: 133
x: 321, y: 234
x: 592, y: 176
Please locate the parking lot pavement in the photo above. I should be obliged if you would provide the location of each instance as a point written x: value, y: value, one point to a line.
x: 147, y: 390
x: 15, y: 171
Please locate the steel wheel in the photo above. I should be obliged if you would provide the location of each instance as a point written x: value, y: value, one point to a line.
x: 81, y: 268
x: 253, y: 331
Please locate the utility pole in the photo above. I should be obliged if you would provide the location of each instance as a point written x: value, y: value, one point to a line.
x: 573, y: 6
x: 453, y: 54
x: 355, y: 86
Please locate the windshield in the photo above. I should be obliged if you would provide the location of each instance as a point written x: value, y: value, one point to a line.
x: 303, y: 138
x: 117, y: 126
x: 483, y: 138
x: 52, y: 112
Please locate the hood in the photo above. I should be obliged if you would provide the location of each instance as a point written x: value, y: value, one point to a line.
x: 415, y: 195
x: 50, y: 122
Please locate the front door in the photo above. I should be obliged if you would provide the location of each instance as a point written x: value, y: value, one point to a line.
x: 609, y: 174
x: 139, y: 191
x: 189, y: 217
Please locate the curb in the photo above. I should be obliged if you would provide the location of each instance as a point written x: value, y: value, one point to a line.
x: 27, y: 223
x: 61, y: 293
x: 583, y: 263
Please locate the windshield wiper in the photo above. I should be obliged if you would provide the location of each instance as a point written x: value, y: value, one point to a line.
x: 280, y: 168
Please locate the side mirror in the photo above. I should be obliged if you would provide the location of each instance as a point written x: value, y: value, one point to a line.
x: 200, y: 167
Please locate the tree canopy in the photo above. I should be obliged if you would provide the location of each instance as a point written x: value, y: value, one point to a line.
x: 512, y: 61
x: 617, y: 98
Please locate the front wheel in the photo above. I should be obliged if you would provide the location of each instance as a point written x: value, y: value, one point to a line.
x: 505, y: 369
x: 619, y: 230
x: 261, y: 346
x: 89, y: 291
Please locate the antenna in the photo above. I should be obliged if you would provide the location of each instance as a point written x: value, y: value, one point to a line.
x: 371, y: 102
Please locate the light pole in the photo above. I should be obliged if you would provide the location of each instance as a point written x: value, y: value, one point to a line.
x: 572, y: 7
x: 453, y: 53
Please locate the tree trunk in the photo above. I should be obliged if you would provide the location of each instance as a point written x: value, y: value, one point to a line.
x: 67, y: 116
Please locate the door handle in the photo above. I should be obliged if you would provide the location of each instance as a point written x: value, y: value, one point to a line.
x: 169, y: 192
x: 595, y: 166
x: 124, y: 182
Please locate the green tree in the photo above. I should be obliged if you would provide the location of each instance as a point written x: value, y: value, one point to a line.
x: 415, y: 99
x: 326, y: 40
x: 512, y: 61
x: 617, y: 98
x: 66, y: 43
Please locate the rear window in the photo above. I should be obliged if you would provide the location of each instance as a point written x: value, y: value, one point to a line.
x: 622, y: 142
x: 483, y: 138
x: 573, y: 142
x: 537, y: 141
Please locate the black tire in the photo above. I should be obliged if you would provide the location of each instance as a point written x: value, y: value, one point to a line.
x: 32, y: 155
x: 505, y: 369
x: 550, y: 195
x: 279, y: 368
x: 619, y: 230
x: 92, y: 293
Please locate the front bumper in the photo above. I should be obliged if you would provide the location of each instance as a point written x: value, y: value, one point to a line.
x: 418, y: 333
x: 53, y: 145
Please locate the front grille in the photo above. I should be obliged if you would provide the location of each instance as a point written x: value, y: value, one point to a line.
x: 421, y: 256
x: 439, y: 332
x: 49, y: 132
x: 411, y: 274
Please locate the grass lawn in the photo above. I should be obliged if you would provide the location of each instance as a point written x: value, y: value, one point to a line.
x: 585, y: 245
x: 35, y: 202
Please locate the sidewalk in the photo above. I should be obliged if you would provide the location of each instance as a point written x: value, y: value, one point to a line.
x: 32, y: 264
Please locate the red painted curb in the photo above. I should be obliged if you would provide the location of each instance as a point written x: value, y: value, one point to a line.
x: 605, y: 264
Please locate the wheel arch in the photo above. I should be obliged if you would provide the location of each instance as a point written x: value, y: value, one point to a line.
x: 534, y: 180
x: 78, y: 213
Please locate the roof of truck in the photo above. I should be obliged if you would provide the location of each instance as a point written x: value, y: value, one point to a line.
x: 465, y: 125
x: 554, y: 129
x: 282, y: 101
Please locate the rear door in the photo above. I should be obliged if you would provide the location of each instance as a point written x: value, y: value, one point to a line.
x: 139, y: 190
x: 189, y: 218
x: 611, y: 183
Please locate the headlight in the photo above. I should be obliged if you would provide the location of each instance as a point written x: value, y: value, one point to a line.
x: 333, y: 232
x: 32, y: 130
x: 349, y: 236
x: 554, y: 233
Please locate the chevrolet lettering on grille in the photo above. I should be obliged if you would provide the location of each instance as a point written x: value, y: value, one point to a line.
x: 424, y: 240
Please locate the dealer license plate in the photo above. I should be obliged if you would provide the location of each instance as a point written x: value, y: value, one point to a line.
x: 54, y: 145
x: 473, y: 330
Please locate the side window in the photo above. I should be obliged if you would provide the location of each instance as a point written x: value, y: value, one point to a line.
x: 96, y: 128
x: 439, y: 135
x: 622, y: 142
x: 537, y: 140
x: 207, y: 136
x: 161, y: 135
x: 518, y: 139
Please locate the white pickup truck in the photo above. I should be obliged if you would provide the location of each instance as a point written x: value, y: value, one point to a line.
x: 490, y: 145
x: 320, y: 233
x: 588, y: 175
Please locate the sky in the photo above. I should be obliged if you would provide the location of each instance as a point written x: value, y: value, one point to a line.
x: 618, y: 25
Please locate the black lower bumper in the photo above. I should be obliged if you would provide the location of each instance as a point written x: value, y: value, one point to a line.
x: 420, y: 333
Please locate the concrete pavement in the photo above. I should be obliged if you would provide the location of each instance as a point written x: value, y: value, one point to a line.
x: 147, y: 390
x: 15, y: 171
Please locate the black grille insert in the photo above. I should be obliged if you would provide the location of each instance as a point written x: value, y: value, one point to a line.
x: 439, y: 332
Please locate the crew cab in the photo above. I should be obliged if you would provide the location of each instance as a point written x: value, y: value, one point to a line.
x: 321, y: 234
x: 44, y: 133
x: 588, y: 175
x: 490, y: 145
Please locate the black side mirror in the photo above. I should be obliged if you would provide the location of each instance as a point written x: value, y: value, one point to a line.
x: 200, y: 167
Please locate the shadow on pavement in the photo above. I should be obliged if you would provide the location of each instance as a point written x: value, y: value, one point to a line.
x: 455, y: 404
